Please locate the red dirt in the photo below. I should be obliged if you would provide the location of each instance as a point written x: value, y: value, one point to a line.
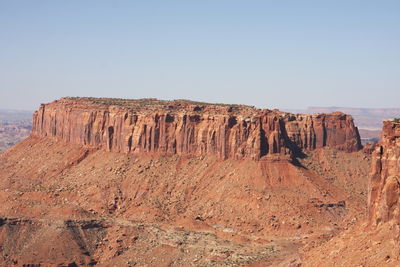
x: 242, y: 207
x: 217, y: 185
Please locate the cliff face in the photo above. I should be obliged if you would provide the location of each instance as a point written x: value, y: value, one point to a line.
x: 384, y: 197
x: 191, y: 128
x: 335, y: 130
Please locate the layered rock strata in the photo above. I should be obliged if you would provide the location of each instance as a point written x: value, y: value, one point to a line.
x: 191, y: 128
x: 384, y: 197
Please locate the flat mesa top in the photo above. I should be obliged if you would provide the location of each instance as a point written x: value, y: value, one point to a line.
x: 394, y: 120
x: 153, y: 104
x: 150, y: 102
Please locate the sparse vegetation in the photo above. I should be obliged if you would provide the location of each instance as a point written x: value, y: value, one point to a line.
x: 154, y: 103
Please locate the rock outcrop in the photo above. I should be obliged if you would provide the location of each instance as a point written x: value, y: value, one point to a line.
x: 384, y: 197
x: 191, y: 128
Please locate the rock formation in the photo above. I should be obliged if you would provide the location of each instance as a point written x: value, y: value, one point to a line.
x: 384, y: 198
x: 375, y: 240
x: 66, y: 200
x: 191, y: 128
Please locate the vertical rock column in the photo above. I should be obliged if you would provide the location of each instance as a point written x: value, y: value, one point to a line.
x: 384, y: 187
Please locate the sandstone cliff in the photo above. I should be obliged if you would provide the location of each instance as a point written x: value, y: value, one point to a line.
x: 191, y: 128
x: 384, y: 198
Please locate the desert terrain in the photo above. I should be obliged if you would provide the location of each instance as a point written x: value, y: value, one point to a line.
x: 14, y: 127
x: 113, y: 182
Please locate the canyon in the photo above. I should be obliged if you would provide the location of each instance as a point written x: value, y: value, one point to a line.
x: 14, y: 127
x: 146, y: 182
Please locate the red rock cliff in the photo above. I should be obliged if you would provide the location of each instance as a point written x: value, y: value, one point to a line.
x: 384, y: 197
x: 191, y: 128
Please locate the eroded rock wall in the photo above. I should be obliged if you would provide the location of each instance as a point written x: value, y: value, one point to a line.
x: 173, y: 127
x: 384, y: 197
x: 335, y: 130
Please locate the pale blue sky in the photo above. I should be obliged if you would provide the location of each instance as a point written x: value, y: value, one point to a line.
x: 273, y: 54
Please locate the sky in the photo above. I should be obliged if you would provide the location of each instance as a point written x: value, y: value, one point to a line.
x: 270, y: 54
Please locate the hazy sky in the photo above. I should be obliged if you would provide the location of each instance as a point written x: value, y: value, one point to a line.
x: 275, y: 54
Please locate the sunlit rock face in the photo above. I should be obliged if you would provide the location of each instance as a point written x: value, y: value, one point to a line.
x: 384, y: 198
x: 191, y: 128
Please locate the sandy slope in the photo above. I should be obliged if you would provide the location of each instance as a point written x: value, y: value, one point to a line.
x: 93, y: 206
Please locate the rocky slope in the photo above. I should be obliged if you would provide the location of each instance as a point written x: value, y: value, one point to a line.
x: 190, y: 128
x: 196, y: 211
x: 375, y: 241
x: 196, y: 185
